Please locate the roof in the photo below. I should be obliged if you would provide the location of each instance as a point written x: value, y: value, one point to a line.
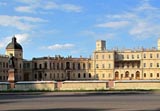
x: 14, y: 44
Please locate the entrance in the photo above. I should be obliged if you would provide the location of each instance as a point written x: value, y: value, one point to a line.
x: 137, y: 75
x: 116, y: 75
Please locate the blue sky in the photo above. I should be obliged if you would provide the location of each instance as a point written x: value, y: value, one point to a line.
x: 71, y: 27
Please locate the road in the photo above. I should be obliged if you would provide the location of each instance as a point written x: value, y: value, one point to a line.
x: 79, y: 102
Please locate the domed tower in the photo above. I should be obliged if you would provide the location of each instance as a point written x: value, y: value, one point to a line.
x: 16, y: 50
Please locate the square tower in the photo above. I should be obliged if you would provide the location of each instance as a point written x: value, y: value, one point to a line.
x: 100, y: 45
x: 158, y: 44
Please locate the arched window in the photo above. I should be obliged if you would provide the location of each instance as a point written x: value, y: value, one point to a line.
x: 79, y: 75
x: 126, y: 74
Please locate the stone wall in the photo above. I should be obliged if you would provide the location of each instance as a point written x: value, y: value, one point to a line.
x: 83, y: 85
x: 137, y: 84
x: 35, y: 85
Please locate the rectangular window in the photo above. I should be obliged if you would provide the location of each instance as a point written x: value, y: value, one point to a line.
x: 89, y: 65
x: 157, y: 74
x: 127, y: 56
x: 132, y: 56
x: 150, y: 64
x: 109, y: 56
x: 144, y: 65
x: 137, y: 56
x: 109, y: 65
x: 103, y: 66
x: 144, y: 74
x: 97, y: 66
x: 157, y: 55
x: 157, y: 64
x: 144, y: 56
x: 102, y: 56
x: 150, y: 55
x: 103, y: 75
x: 151, y: 75
x: 96, y: 56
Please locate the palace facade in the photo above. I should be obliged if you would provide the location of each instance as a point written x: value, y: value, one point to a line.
x: 141, y: 64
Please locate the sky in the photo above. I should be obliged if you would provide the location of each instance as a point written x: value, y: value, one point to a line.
x: 71, y: 27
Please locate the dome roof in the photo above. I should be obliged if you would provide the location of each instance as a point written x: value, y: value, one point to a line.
x: 14, y: 44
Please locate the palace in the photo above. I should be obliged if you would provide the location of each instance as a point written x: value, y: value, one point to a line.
x: 142, y: 64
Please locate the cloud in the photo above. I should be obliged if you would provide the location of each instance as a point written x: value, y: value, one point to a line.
x: 140, y: 22
x: 26, y: 9
x: 19, y: 22
x: 59, y: 46
x: 40, y: 6
x: 116, y: 24
x: 21, y: 38
x: 71, y: 8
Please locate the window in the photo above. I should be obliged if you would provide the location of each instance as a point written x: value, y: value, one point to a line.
x: 89, y: 65
x: 102, y: 56
x: 73, y: 65
x: 157, y: 55
x: 103, y: 75
x: 137, y: 56
x: 122, y: 65
x: 89, y: 75
x: 79, y: 66
x: 84, y: 65
x: 73, y: 75
x: 109, y: 75
x: 35, y: 76
x: 127, y: 65
x: 57, y: 66
x: 45, y: 65
x: 151, y: 75
x: 132, y: 56
x: 127, y: 74
x: 109, y: 65
x: 150, y: 64
x: 58, y: 75
x: 97, y: 76
x: 103, y: 66
x: 144, y: 74
x: 157, y: 64
x: 3, y: 64
x: 96, y: 56
x: 122, y: 56
x: 62, y: 75
x: 109, y: 56
x: 40, y: 66
x: 96, y: 65
x: 150, y: 55
x: 53, y: 66
x: 79, y: 75
x: 132, y: 75
x: 157, y: 74
x: 144, y: 64
x: 144, y: 56
x: 62, y: 66
x: 127, y: 56
x: 132, y: 65
x: 84, y: 75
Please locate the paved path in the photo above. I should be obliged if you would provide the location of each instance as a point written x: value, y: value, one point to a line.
x: 79, y: 102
